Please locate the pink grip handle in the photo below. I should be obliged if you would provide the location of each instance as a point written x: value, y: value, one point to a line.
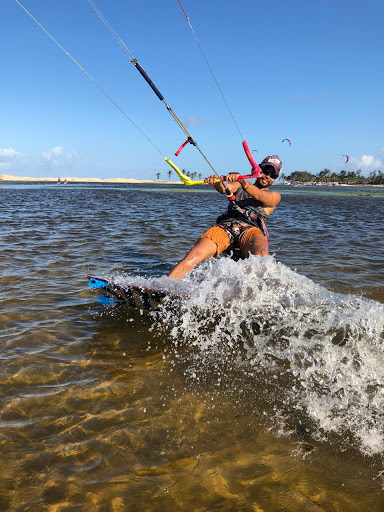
x: 181, y: 147
x: 256, y: 171
x: 254, y: 175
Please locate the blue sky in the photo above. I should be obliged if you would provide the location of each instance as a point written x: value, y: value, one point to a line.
x: 308, y: 71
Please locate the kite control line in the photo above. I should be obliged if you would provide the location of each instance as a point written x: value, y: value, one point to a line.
x: 144, y: 74
x: 255, y: 168
x: 146, y: 77
x: 89, y: 77
x: 210, y: 69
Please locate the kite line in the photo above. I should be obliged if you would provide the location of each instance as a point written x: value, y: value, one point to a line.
x: 90, y: 78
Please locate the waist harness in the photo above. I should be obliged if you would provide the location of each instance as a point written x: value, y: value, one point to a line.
x: 246, y: 214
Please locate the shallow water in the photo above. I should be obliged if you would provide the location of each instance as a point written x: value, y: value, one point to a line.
x: 261, y: 391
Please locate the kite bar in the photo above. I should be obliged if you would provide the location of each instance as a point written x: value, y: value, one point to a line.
x: 188, y: 182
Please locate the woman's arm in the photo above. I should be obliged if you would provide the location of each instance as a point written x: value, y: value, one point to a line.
x: 268, y: 198
x: 219, y: 186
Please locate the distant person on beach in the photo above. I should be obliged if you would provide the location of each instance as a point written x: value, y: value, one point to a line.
x: 238, y: 233
x: 65, y: 181
x: 58, y: 180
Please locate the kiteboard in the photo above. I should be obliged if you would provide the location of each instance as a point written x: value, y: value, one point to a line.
x: 133, y: 296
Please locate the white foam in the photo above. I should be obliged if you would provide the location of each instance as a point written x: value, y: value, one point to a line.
x: 330, y: 344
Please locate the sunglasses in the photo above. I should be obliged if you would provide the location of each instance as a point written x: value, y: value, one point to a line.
x: 268, y: 170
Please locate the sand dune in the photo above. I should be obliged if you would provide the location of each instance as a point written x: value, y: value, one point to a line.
x: 73, y: 179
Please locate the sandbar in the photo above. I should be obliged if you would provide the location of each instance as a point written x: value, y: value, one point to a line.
x: 72, y: 179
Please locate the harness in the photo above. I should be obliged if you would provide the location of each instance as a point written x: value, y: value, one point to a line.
x: 247, y: 215
x: 238, y: 219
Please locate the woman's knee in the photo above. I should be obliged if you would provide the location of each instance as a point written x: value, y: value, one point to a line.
x: 257, y: 245
x: 203, y: 249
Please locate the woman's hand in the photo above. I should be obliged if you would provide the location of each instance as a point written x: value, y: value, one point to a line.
x: 232, y: 177
x: 212, y: 180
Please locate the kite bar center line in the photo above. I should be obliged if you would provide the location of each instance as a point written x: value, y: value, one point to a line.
x: 146, y: 77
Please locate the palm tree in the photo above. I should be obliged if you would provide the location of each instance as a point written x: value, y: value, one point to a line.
x: 324, y: 175
x: 342, y: 176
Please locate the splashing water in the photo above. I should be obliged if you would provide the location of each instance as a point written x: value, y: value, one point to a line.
x: 311, y: 354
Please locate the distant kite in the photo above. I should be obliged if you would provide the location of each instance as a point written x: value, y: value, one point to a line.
x: 287, y: 140
x: 346, y: 158
x: 255, y: 150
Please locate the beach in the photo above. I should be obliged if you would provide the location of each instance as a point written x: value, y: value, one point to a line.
x: 72, y: 179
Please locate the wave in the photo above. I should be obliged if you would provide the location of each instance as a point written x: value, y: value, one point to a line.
x: 310, y: 358
x: 258, y: 327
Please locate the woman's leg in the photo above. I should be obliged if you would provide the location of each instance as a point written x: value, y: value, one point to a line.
x: 204, y: 248
x: 255, y: 243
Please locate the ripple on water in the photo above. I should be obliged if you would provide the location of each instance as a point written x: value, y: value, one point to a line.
x: 263, y: 393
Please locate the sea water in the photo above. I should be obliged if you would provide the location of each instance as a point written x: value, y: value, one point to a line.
x: 260, y: 387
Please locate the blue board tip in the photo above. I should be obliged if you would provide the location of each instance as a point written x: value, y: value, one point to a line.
x: 94, y: 282
x: 106, y: 300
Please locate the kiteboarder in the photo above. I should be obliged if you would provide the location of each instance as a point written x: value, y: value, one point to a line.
x: 240, y: 231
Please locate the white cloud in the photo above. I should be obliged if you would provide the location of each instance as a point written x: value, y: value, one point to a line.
x: 70, y: 157
x: 53, y: 154
x: 55, y: 159
x: 365, y: 163
x: 8, y: 154
x: 194, y: 121
x: 14, y: 162
x: 8, y: 157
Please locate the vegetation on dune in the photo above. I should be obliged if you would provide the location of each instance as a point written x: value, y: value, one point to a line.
x: 343, y: 177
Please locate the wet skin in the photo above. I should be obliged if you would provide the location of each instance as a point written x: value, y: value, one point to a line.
x: 258, y: 245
